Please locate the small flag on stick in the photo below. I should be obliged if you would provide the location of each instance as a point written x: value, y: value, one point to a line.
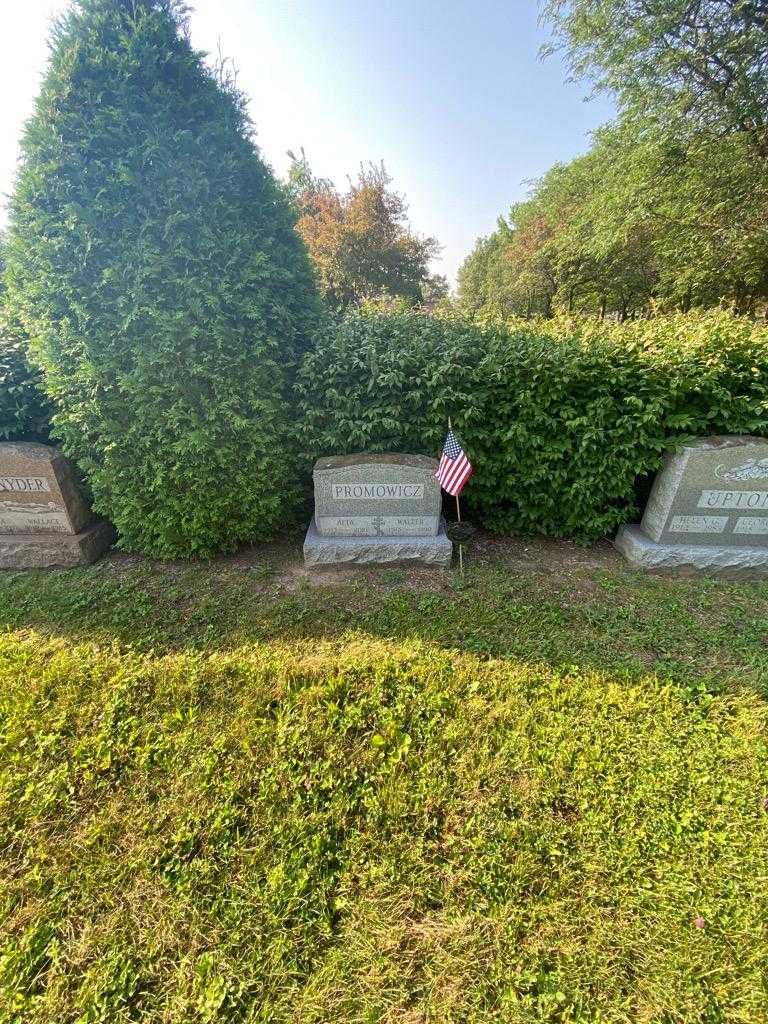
x: 455, y: 468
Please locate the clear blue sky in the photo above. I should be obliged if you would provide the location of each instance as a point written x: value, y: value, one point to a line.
x: 452, y: 96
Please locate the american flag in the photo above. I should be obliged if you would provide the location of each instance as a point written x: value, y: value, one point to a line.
x: 455, y: 468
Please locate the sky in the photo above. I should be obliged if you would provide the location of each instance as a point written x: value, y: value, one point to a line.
x: 451, y: 95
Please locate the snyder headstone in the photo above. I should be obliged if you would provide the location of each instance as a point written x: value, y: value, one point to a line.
x: 376, y: 509
x: 707, y: 511
x: 44, y: 519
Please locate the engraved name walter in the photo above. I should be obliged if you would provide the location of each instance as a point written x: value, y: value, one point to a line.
x: 376, y: 507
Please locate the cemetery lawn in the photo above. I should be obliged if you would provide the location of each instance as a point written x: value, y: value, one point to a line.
x: 234, y: 792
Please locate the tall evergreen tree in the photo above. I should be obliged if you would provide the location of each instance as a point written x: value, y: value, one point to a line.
x: 153, y: 260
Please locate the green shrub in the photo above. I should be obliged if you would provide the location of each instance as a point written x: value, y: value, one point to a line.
x: 559, y: 418
x: 153, y: 258
x: 385, y: 381
x: 24, y: 411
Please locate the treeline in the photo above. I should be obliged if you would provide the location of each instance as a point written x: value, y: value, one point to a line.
x: 669, y: 208
x: 182, y: 340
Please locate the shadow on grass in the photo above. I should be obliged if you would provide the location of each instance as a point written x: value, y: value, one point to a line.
x: 604, y: 617
x: 368, y: 814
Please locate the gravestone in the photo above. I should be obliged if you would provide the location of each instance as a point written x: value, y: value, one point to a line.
x: 44, y: 520
x: 707, y: 511
x: 376, y: 509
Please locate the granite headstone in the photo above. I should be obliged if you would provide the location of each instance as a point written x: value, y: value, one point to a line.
x: 44, y: 519
x: 707, y: 511
x: 376, y: 509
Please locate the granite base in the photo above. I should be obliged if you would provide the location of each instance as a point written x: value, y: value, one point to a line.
x: 320, y: 552
x: 49, y: 550
x: 705, y: 560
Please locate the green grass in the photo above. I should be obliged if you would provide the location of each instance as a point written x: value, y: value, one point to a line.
x: 230, y: 794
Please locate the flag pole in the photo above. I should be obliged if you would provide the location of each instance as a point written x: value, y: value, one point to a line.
x: 458, y: 519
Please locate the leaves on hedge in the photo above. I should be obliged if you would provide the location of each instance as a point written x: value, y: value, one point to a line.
x: 560, y: 417
x: 153, y: 259
x: 24, y: 411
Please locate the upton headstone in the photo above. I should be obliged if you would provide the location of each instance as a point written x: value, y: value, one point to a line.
x: 44, y: 520
x: 376, y: 509
x: 707, y: 511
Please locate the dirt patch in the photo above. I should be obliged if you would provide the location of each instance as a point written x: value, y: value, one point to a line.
x: 280, y: 562
x: 542, y: 553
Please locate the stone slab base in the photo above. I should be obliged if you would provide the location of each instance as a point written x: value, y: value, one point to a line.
x: 729, y: 563
x: 46, y: 550
x: 327, y: 551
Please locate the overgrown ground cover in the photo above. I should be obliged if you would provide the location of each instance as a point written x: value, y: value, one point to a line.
x: 234, y: 792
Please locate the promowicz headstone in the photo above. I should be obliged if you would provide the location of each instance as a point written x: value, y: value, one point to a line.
x: 708, y: 510
x: 376, y: 509
x: 44, y: 520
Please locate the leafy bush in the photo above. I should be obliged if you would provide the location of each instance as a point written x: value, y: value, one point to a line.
x: 153, y: 258
x: 24, y: 410
x: 560, y: 418
x: 385, y: 381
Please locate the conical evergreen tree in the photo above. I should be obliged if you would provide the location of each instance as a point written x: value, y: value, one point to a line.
x: 153, y: 260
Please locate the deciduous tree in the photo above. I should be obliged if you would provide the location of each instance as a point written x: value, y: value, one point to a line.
x: 360, y: 242
x: 701, y: 61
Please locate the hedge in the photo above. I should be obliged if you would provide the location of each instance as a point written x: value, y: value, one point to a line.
x: 560, y: 418
x: 152, y: 257
x: 24, y: 410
